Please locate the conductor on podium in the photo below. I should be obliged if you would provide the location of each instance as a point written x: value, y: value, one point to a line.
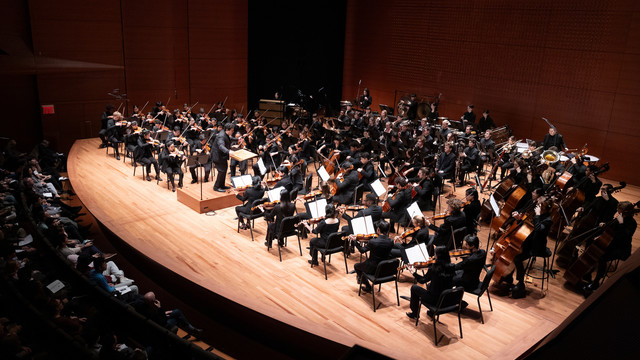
x: 220, y: 152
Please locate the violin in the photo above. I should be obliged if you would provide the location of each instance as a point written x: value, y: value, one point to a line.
x: 353, y: 207
x: 310, y: 195
x: 313, y: 221
x: 270, y: 204
x: 361, y: 237
x: 424, y: 264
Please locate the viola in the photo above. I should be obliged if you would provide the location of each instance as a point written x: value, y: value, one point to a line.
x: 361, y: 237
x: 424, y: 264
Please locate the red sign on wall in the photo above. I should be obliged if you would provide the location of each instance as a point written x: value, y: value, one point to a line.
x: 48, y: 110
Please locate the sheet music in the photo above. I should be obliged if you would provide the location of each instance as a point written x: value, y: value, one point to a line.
x: 244, y: 180
x: 414, y: 210
x: 324, y: 175
x: 26, y: 241
x: 318, y: 208
x: 417, y: 253
x: 363, y: 225
x: 55, y: 286
x: 263, y: 169
x: 378, y: 188
x: 494, y: 205
x: 274, y: 194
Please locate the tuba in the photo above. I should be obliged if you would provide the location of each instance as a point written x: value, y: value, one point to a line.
x: 550, y: 157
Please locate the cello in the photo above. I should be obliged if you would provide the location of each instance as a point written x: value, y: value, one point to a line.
x: 592, y: 254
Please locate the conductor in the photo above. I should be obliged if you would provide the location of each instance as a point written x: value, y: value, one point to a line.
x: 220, y: 152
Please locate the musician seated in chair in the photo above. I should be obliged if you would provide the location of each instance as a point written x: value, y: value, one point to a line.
x: 534, y: 244
x: 329, y: 225
x: 470, y: 157
x: 423, y: 187
x: 440, y: 278
x: 620, y: 247
x: 346, y: 184
x: 372, y: 209
x: 446, y: 164
x: 379, y: 250
x: 200, y: 147
x: 454, y: 220
x: 419, y: 234
x: 468, y: 270
x: 471, y: 209
x: 280, y: 211
x: 366, y: 170
x: 253, y: 193
x: 396, y: 211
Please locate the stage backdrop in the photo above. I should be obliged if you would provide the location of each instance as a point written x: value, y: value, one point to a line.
x: 573, y: 62
x: 187, y: 51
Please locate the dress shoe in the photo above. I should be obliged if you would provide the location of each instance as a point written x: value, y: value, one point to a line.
x: 352, y: 271
x: 180, y: 185
x: 366, y: 289
x: 148, y: 178
x: 194, y: 181
x: 173, y: 189
x: 76, y: 208
x: 464, y: 304
x: 405, y: 297
x: 518, y: 291
x: 118, y: 157
x: 225, y: 187
x: 313, y: 263
x: 411, y: 316
x: 158, y: 178
x: 102, y: 146
x: 194, y: 331
x: 219, y: 190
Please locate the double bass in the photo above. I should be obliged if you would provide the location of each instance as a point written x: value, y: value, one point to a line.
x: 509, y: 245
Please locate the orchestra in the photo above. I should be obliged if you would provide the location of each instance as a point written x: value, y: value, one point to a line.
x: 545, y: 190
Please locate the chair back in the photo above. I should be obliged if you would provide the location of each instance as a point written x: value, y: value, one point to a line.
x: 288, y: 226
x: 458, y: 235
x: 387, y: 269
x: 357, y: 195
x: 450, y: 299
x: 293, y: 194
x: 487, y: 279
x: 335, y: 241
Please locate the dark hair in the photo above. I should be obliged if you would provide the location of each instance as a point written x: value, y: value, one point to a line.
x: 442, y: 255
x: 383, y: 226
x: 201, y: 137
x: 371, y: 197
x: 346, y: 165
x: 538, y: 191
x: 486, y: 111
x: 330, y: 211
x: 607, y: 188
x: 285, y: 197
x: 97, y: 263
x: 354, y: 144
x: 365, y: 155
x: 472, y: 191
x: 255, y: 180
x: 470, y: 106
x: 283, y: 169
x: 546, y: 206
x: 176, y: 128
x: 593, y: 168
x: 401, y: 181
x: 472, y: 240
x: 228, y: 126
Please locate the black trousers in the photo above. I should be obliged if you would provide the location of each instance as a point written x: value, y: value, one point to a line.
x: 221, y: 167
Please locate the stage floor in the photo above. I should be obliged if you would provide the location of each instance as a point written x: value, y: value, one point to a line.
x: 208, y: 251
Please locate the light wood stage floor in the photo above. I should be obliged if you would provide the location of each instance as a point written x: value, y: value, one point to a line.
x: 208, y: 251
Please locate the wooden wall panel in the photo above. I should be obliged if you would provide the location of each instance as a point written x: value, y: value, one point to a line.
x: 187, y: 51
x: 573, y: 62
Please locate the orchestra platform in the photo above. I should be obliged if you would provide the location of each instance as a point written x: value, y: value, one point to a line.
x: 289, y: 299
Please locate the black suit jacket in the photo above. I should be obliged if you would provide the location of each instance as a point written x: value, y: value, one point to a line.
x: 379, y: 250
x: 446, y: 163
x: 471, y: 268
x: 443, y: 233
x: 220, y: 148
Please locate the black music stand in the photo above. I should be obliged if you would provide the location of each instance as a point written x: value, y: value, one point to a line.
x: 198, y: 160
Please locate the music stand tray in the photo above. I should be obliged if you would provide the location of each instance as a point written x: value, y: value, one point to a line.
x: 242, y: 155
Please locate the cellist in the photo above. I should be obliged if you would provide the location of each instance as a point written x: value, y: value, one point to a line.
x: 624, y: 227
x: 534, y: 244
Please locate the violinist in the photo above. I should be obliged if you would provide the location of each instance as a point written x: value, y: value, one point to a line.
x: 131, y: 137
x: 201, y: 147
x: 233, y: 164
x: 271, y: 153
x: 327, y: 226
x: 220, y: 151
x: 372, y: 209
x: 468, y: 270
x: 419, y: 234
x: 255, y: 192
x: 282, y: 210
x: 193, y: 132
x: 624, y: 227
x: 143, y: 154
x: 455, y: 220
x: 423, y: 188
x: 175, y: 136
x: 113, y: 134
x: 471, y: 209
x: 106, y: 116
x: 379, y: 250
x: 171, y: 160
x: 346, y: 183
x: 534, y: 244
x: 286, y: 180
x: 366, y: 170
x: 440, y: 278
x: 398, y: 203
x: 470, y: 157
